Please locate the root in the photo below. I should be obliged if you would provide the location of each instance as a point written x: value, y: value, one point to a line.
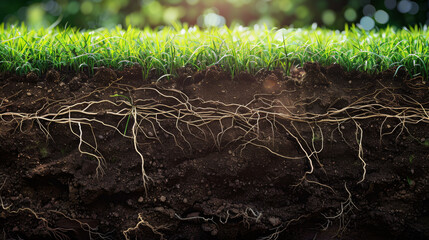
x: 134, y: 130
x: 92, y: 232
x: 144, y: 223
x: 346, y: 208
x: 195, y: 218
x: 283, y: 227
x: 248, y: 215
x: 56, y: 233
x: 359, y: 137
x: 213, y: 120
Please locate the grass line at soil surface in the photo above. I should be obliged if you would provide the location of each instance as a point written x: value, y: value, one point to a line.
x: 235, y: 49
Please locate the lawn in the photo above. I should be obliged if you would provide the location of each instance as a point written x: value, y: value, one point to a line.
x: 234, y: 49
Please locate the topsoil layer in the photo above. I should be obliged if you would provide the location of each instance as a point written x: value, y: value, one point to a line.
x: 319, y: 154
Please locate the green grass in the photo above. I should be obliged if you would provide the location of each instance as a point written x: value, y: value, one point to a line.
x: 236, y: 49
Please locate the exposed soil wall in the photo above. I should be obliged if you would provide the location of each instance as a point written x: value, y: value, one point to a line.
x: 319, y: 154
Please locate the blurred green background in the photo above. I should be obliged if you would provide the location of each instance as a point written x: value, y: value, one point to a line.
x: 205, y: 13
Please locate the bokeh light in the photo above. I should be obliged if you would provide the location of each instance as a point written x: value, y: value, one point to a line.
x: 328, y: 17
x: 153, y: 12
x: 86, y: 7
x: 52, y: 8
x: 369, y: 10
x: 390, y: 4
x: 350, y: 15
x: 302, y: 12
x: 73, y: 7
x: 173, y: 14
x: 213, y: 20
x: 367, y: 23
x: 381, y: 16
x: 134, y: 20
x: 404, y: 6
x: 35, y: 14
x: 414, y: 8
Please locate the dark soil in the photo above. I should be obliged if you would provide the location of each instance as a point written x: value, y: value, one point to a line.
x: 226, y: 158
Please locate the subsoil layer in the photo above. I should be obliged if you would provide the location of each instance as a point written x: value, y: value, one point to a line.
x: 320, y: 153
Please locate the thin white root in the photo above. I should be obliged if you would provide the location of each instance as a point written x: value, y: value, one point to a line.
x: 143, y: 223
x: 346, y: 207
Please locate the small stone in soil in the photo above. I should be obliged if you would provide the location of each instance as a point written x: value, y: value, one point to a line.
x: 162, y: 198
x: 159, y: 209
x: 275, y: 221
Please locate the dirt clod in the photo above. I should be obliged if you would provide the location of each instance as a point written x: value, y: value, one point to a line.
x: 53, y: 76
x: 32, y: 77
x: 105, y: 75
